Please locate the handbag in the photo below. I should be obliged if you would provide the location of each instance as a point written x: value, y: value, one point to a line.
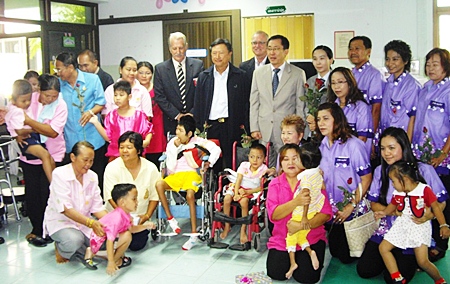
x: 360, y: 229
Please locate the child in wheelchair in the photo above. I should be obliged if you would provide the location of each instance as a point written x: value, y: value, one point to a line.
x: 243, y: 185
x: 184, y: 158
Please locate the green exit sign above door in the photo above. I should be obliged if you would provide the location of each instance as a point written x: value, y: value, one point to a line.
x: 275, y: 9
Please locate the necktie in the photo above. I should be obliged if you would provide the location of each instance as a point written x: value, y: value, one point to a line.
x: 275, y: 81
x: 182, y: 85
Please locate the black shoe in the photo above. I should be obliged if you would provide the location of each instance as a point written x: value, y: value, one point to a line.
x: 88, y: 263
x: 48, y: 240
x: 241, y: 247
x: 36, y: 240
x: 2, y: 240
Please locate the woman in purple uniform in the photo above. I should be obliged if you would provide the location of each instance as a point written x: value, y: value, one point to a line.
x: 401, y: 90
x: 345, y: 162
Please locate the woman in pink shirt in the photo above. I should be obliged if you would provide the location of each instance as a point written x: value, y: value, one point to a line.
x: 47, y: 116
x: 280, y: 205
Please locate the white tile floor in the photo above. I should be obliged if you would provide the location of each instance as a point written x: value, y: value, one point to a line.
x: 163, y: 262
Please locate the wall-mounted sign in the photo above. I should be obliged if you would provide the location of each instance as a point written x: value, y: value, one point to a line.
x: 196, y: 52
x: 68, y: 41
x: 275, y: 9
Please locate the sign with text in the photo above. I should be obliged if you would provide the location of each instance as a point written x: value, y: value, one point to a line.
x: 275, y: 9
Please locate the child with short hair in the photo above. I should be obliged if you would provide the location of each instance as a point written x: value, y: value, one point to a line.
x: 183, y: 160
x: 243, y: 185
x: 411, y: 198
x: 117, y: 224
x: 310, y: 180
x: 122, y: 119
x: 31, y: 147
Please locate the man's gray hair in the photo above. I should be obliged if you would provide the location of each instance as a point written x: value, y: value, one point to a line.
x: 177, y: 35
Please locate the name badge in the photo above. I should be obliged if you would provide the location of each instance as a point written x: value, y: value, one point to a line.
x: 420, y: 203
x: 395, y: 104
x: 352, y: 125
x: 341, y: 162
x: 436, y: 106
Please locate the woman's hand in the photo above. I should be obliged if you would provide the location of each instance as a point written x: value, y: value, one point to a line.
x: 85, y: 118
x: 93, y: 119
x: 150, y: 226
x: 437, y: 161
x: 379, y: 214
x: 444, y: 232
x: 293, y: 227
x: 341, y: 216
x: 426, y: 217
x: 97, y: 227
x: 143, y: 218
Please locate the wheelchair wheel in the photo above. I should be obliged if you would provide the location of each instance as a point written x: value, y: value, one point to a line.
x: 156, y: 235
x: 257, y: 242
x: 216, y: 235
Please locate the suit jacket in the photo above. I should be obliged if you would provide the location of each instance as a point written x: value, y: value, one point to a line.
x: 249, y: 67
x: 311, y: 83
x: 267, y: 111
x: 105, y: 78
x: 238, y: 89
x: 167, y: 93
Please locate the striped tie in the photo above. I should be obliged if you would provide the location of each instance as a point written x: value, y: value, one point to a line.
x: 182, y: 85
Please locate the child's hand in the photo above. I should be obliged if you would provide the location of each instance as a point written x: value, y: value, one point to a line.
x: 271, y: 172
x: 241, y: 191
x: 177, y: 142
x: 111, y: 268
x: 304, y: 224
x: 93, y: 119
x: 236, y: 197
x: 444, y: 232
x: 145, y: 143
x: 379, y: 215
x: 150, y: 225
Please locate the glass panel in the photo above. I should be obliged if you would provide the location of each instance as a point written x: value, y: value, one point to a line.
x: 23, y: 9
x: 443, y: 3
x: 13, y: 54
x: 35, y: 54
x: 70, y: 13
x: 16, y: 28
x: 444, y: 39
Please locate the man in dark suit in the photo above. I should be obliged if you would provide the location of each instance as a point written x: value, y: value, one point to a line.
x: 259, y: 44
x: 88, y: 62
x: 174, y: 82
x: 222, y: 100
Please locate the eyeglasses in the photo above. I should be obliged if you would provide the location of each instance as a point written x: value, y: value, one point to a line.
x: 276, y: 49
x: 258, y: 42
x: 338, y: 83
x: 145, y: 73
x: 57, y: 70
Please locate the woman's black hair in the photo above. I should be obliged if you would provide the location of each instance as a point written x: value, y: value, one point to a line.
x: 403, y: 49
x: 124, y: 61
x: 145, y: 64
x: 407, y: 155
x: 310, y: 155
x: 287, y: 147
x: 78, y: 145
x: 326, y: 49
x: 121, y: 190
x: 134, y: 138
x: 354, y: 94
x: 49, y: 82
x: 341, y: 129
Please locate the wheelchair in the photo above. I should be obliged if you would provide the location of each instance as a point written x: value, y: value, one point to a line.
x: 257, y: 218
x: 180, y: 208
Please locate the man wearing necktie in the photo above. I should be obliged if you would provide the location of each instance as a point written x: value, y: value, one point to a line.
x: 275, y: 93
x: 174, y: 82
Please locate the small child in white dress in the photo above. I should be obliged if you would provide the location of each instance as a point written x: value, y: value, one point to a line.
x: 411, y: 198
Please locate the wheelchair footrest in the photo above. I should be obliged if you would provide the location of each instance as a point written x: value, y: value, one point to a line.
x: 219, y: 216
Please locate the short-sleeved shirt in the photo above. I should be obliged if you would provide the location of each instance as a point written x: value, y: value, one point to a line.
x: 66, y: 191
x: 14, y: 119
x: 114, y: 223
x: 139, y: 99
x: 278, y: 194
x: 433, y: 115
x: 313, y: 180
x: 430, y: 176
x: 370, y: 82
x: 343, y: 164
x: 244, y: 169
x: 116, y: 172
x: 91, y: 90
x: 418, y: 199
x: 399, y: 101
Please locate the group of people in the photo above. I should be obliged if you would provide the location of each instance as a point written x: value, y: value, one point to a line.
x: 355, y: 120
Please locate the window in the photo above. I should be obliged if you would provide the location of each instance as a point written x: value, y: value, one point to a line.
x: 29, y: 10
x: 441, y: 23
x: 70, y: 13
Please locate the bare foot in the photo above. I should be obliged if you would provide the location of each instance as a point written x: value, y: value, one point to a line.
x: 59, y: 258
x: 244, y: 238
x: 314, y: 260
x: 224, y: 233
x: 291, y: 270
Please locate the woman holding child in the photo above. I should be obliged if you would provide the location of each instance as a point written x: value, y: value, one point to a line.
x: 280, y: 205
x: 394, y: 146
x: 48, y: 115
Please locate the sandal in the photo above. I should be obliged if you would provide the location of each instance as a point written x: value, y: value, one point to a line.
x: 88, y: 263
x: 433, y: 256
x: 126, y: 261
x: 241, y: 247
x: 36, y: 240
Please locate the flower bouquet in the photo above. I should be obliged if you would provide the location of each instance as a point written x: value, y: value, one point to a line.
x: 313, y: 96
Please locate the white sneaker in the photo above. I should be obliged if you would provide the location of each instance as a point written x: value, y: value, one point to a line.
x: 173, y: 223
x: 193, y: 240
